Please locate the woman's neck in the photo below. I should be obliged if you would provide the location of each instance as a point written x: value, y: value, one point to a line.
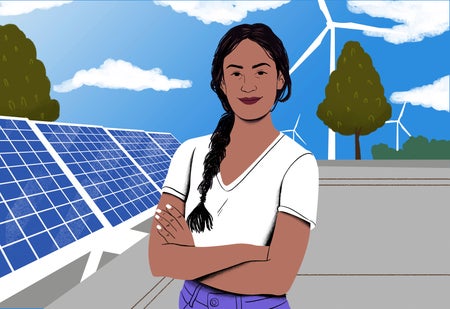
x: 248, y: 132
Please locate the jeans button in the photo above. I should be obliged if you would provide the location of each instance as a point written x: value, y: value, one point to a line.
x: 214, y: 302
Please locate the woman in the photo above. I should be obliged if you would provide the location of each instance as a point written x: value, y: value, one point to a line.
x: 249, y: 193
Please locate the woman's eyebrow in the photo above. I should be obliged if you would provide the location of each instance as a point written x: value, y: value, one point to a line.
x: 241, y: 67
x: 235, y: 66
x: 260, y: 64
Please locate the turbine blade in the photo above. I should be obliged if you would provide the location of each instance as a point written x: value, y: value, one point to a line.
x: 296, y: 134
x: 296, y: 123
x: 326, y: 13
x: 309, y: 50
x: 403, y: 109
x: 404, y: 129
x: 355, y: 26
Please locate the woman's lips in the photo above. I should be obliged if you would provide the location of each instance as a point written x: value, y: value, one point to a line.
x: 249, y: 101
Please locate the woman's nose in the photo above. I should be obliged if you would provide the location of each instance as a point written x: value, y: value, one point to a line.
x: 248, y: 85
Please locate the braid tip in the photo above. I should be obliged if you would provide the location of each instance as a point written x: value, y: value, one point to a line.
x: 199, y: 219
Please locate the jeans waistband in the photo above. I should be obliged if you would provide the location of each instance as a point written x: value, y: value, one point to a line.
x: 195, y: 293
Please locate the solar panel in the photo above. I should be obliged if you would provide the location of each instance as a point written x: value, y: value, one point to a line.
x: 113, y: 181
x: 40, y: 209
x: 154, y: 161
x: 166, y: 141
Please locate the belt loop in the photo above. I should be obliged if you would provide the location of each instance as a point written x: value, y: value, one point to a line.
x: 194, y: 295
x: 238, y: 302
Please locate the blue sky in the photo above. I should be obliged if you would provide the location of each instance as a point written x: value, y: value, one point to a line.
x: 146, y: 64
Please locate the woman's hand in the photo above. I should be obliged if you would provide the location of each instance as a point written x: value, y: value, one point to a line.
x: 172, y: 226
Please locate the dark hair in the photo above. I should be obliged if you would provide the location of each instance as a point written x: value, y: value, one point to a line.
x: 261, y: 34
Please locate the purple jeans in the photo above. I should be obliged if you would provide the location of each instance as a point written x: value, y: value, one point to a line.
x: 199, y: 296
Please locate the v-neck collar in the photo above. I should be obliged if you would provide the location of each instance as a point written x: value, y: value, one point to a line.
x: 241, y: 177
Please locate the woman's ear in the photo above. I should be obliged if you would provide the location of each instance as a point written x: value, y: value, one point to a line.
x: 223, y: 87
x: 280, y: 81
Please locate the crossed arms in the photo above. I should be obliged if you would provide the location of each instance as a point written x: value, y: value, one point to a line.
x: 238, y: 268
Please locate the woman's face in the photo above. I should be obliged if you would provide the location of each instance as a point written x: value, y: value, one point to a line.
x: 250, y: 80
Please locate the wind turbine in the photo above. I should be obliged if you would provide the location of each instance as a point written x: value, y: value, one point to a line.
x: 434, y: 95
x: 331, y: 27
x: 398, y: 123
x: 294, y: 131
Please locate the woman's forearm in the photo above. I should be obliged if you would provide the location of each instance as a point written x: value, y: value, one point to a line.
x: 255, y: 277
x: 187, y: 262
x: 275, y: 275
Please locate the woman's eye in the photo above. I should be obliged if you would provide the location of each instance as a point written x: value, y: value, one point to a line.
x: 236, y: 74
x: 260, y: 73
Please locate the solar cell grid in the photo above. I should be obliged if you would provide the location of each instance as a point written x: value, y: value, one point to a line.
x: 145, y: 152
x: 167, y: 142
x: 103, y: 169
x: 40, y: 209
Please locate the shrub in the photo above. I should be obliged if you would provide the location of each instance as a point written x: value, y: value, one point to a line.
x: 415, y: 148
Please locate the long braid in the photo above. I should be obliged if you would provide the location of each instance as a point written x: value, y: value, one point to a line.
x: 200, y: 218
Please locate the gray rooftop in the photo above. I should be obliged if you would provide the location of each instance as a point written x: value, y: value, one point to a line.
x: 381, y: 242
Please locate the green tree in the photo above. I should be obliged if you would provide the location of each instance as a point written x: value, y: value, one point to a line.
x: 354, y: 97
x: 24, y: 86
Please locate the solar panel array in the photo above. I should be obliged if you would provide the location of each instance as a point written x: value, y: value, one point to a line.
x: 167, y: 142
x: 112, y: 180
x: 145, y: 152
x: 42, y: 210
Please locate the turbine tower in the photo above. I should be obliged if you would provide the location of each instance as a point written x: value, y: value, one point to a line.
x: 398, y: 123
x: 331, y: 27
x: 294, y: 131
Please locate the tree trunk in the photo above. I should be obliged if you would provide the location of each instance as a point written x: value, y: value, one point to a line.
x: 357, y: 146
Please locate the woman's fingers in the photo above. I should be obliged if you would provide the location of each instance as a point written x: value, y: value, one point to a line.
x: 164, y: 233
x: 175, y: 212
x: 172, y: 226
x: 175, y: 216
x: 167, y: 220
x: 164, y: 226
x: 179, y: 217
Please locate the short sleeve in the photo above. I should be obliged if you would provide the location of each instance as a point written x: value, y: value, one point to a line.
x: 178, y: 176
x: 300, y: 189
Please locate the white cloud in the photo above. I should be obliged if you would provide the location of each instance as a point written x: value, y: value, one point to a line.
x: 417, y: 19
x: 435, y: 95
x: 224, y: 12
x: 119, y: 74
x: 9, y: 8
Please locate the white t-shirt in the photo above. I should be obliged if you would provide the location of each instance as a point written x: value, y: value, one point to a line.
x: 283, y: 178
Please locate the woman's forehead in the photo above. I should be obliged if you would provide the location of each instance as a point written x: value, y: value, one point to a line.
x: 247, y: 53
